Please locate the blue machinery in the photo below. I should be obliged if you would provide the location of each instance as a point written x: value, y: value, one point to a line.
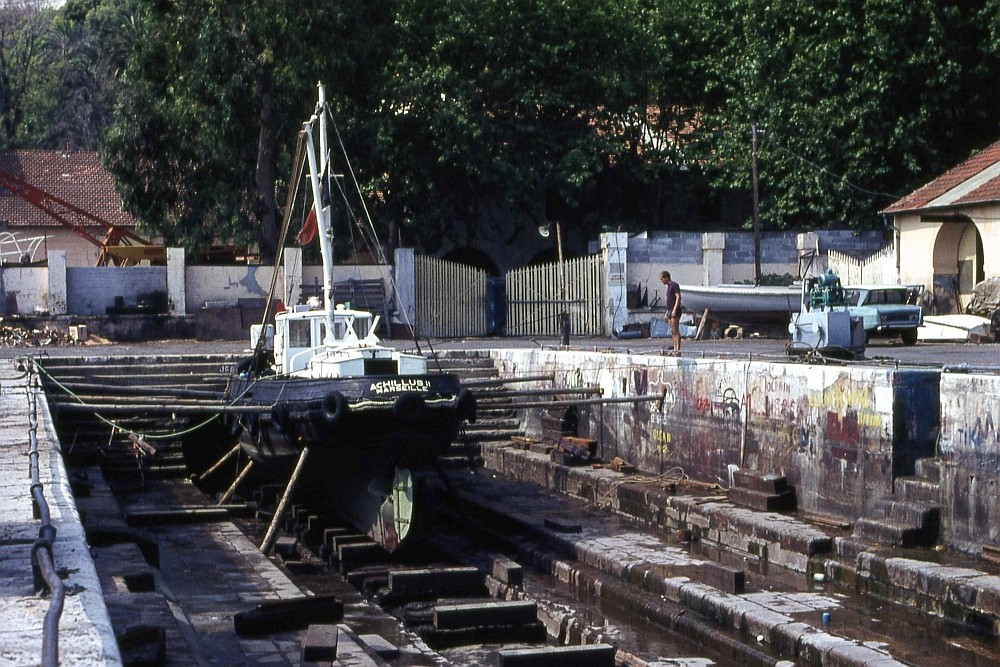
x: 824, y: 323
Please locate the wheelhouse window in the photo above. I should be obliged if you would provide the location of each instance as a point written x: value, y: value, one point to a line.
x: 298, y: 333
x: 361, y: 326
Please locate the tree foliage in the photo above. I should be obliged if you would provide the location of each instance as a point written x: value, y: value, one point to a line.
x: 542, y: 109
x: 24, y: 28
x: 463, y: 115
x: 209, y: 106
x: 858, y: 101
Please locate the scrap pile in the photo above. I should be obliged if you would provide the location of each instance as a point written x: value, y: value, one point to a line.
x: 17, y: 336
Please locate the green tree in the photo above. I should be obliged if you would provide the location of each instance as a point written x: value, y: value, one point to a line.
x: 856, y: 100
x: 530, y: 110
x: 209, y: 105
x: 24, y: 28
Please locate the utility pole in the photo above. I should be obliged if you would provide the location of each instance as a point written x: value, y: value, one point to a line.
x: 756, y: 210
x: 563, y: 315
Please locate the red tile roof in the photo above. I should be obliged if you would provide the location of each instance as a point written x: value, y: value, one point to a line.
x: 77, y: 178
x: 975, y: 181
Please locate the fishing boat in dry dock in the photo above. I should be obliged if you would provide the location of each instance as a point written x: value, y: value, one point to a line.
x: 347, y: 417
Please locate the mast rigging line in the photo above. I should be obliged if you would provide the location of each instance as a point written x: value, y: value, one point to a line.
x: 299, y: 163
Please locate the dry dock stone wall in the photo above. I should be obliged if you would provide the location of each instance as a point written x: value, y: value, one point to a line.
x: 969, y: 468
x: 841, y: 435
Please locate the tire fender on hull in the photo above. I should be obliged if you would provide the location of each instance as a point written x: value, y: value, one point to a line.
x: 409, y: 408
x: 280, y: 418
x: 334, y: 406
x: 465, y: 406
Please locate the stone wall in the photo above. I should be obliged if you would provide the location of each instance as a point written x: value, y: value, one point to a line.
x: 698, y: 258
x: 840, y: 434
x: 970, y: 458
x: 92, y: 290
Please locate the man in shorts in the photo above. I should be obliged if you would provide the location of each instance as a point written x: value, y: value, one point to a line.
x: 673, y: 314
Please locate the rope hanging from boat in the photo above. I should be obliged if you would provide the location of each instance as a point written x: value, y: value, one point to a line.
x: 259, y: 362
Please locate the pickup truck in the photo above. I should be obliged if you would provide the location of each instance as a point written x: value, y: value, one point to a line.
x: 887, y: 310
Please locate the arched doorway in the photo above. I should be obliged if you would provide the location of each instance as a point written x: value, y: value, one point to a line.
x: 970, y: 262
x: 958, y: 264
x: 475, y: 258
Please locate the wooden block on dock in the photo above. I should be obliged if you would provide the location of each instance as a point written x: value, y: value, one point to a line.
x: 507, y: 571
x: 286, y: 547
x: 352, y: 555
x: 281, y: 615
x: 483, y: 614
x: 593, y: 655
x: 320, y: 644
x: 436, y: 583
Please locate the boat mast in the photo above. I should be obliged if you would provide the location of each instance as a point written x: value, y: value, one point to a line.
x: 316, y: 171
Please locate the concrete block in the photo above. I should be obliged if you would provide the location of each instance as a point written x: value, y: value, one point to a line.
x: 727, y: 579
x: 320, y: 643
x: 505, y: 570
x: 444, y: 582
x: 595, y: 655
x: 350, y: 555
x: 382, y: 646
x: 453, y: 616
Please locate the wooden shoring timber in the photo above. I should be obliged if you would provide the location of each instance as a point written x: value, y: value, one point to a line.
x: 490, y: 382
x: 584, y: 401
x: 160, y: 409
x: 144, y: 390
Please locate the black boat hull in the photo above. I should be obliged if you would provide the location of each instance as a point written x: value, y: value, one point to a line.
x: 365, y: 436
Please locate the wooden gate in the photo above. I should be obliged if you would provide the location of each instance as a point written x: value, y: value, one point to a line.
x: 450, y: 299
x: 534, y: 301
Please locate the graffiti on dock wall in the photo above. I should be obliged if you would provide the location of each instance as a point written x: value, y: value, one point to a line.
x: 969, y: 418
x: 817, y: 426
x: 840, y: 434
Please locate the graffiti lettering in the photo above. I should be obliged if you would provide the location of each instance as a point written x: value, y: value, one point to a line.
x: 854, y: 401
x: 574, y: 379
x: 661, y: 440
x: 640, y: 380
x: 979, y: 434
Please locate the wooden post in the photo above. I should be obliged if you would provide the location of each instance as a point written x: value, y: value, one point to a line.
x: 239, y: 478
x: 701, y: 326
x: 272, y: 531
x: 218, y: 464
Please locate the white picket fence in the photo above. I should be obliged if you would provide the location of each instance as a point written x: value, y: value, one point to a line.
x: 534, y: 302
x: 450, y: 299
x: 879, y: 268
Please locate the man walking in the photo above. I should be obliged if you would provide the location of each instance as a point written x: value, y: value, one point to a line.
x: 673, y: 314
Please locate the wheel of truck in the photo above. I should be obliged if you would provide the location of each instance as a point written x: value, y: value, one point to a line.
x: 909, y: 336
